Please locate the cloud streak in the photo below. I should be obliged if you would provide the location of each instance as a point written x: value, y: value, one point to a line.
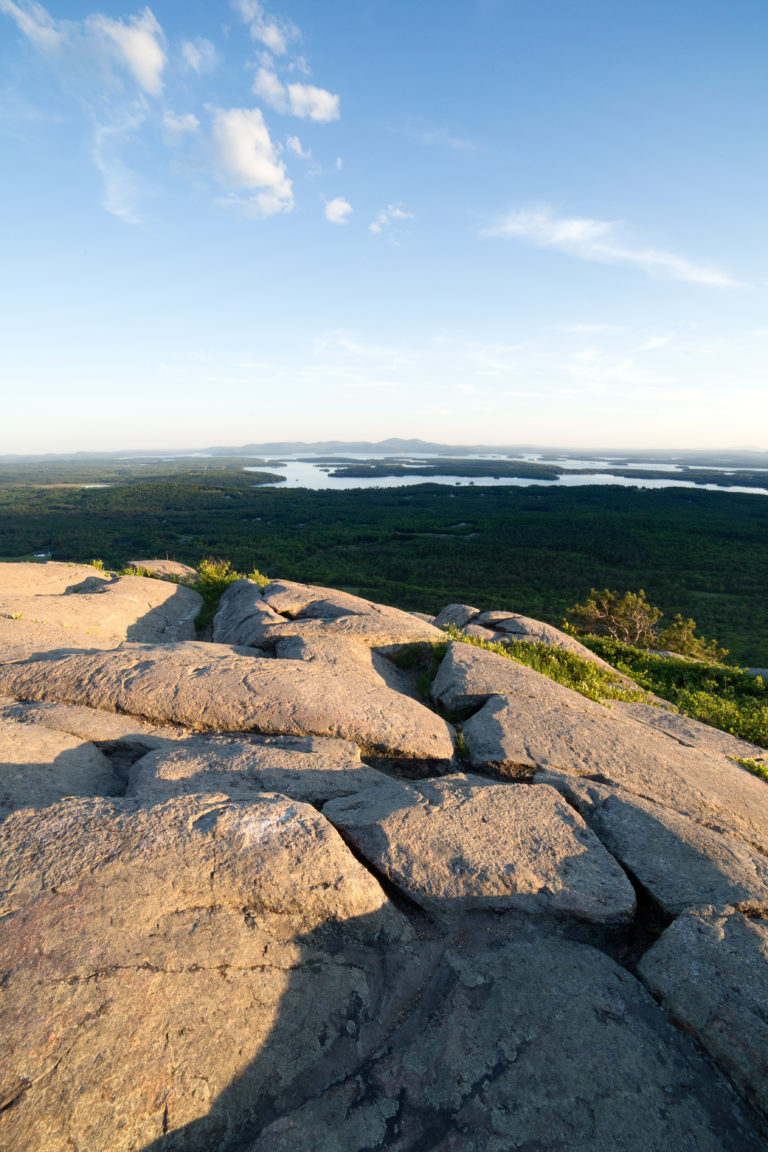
x: 601, y: 242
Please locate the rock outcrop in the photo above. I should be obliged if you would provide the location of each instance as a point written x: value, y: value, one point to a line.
x: 261, y: 894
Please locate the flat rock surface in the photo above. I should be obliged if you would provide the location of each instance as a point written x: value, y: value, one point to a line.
x: 89, y: 723
x: 710, y: 970
x: 308, y: 768
x: 199, y: 963
x: 210, y: 687
x: 461, y: 843
x: 468, y: 676
x: 39, y: 766
x: 261, y: 617
x: 691, y: 733
x: 517, y: 736
x: 541, y: 1044
x: 53, y: 605
x: 678, y: 862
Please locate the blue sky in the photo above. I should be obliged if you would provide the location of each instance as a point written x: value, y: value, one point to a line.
x: 498, y: 221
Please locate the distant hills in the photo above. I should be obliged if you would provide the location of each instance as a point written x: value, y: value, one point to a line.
x: 723, y: 458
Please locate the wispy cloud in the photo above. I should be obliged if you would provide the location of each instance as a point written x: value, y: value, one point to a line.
x: 439, y: 137
x: 338, y: 210
x: 122, y: 192
x: 602, y: 242
x: 274, y: 34
x: 200, y: 55
x: 388, y: 216
x: 139, y: 44
x: 303, y: 100
x: 136, y: 44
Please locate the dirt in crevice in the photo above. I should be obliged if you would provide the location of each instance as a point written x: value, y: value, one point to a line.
x: 122, y: 754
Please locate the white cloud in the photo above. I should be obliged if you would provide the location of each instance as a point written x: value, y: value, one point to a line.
x: 313, y: 103
x: 247, y: 159
x: 199, y: 55
x: 338, y: 210
x: 270, y: 89
x: 121, y: 186
x: 139, y: 44
x: 293, y: 144
x: 600, y: 241
x: 136, y: 44
x: 175, y: 128
x: 655, y: 342
x: 303, y: 100
x: 274, y: 34
x: 36, y: 23
x: 388, y: 215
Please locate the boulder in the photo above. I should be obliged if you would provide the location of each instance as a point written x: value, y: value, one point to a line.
x: 710, y: 971
x: 165, y: 569
x: 461, y: 843
x: 210, y: 687
x: 523, y: 628
x: 519, y: 736
x: 468, y: 676
x: 39, y: 766
x: 184, y: 972
x: 678, y: 862
x: 457, y: 614
x: 307, y: 768
x: 262, y: 617
x: 45, y: 606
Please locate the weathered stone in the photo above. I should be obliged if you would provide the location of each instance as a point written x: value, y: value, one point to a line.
x: 307, y: 768
x: 678, y: 861
x: 283, y: 609
x: 456, y: 614
x: 46, y: 606
x: 89, y: 723
x: 468, y: 676
x: 242, y: 615
x: 518, y: 736
x: 523, y: 628
x: 462, y: 843
x: 542, y: 1044
x: 191, y: 968
x: 209, y: 687
x: 691, y: 733
x: 165, y: 568
x: 710, y: 970
x: 38, y: 766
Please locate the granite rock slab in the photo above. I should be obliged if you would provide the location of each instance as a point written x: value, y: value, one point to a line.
x: 181, y: 972
x: 209, y: 687
x: 710, y: 971
x: 462, y: 843
x: 307, y: 768
x: 517, y: 736
x: 678, y: 862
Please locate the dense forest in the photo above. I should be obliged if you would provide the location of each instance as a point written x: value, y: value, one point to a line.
x: 534, y: 550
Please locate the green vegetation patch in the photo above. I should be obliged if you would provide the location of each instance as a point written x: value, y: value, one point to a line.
x: 567, y: 668
x: 727, y: 698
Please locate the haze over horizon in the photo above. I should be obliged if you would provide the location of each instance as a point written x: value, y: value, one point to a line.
x: 473, y: 222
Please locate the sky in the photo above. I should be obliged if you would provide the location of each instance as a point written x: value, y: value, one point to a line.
x: 469, y: 221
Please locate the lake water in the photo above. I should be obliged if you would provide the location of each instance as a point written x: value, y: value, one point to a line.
x: 304, y: 472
